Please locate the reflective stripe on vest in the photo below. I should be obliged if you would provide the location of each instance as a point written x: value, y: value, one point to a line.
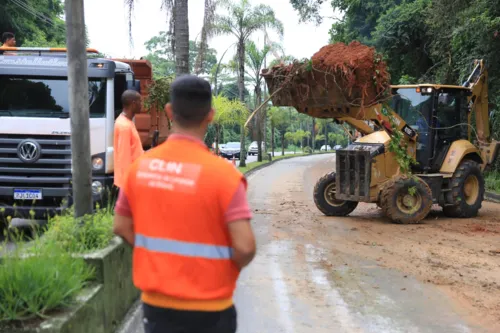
x: 183, y: 248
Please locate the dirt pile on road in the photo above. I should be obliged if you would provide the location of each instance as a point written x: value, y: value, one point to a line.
x: 337, y: 76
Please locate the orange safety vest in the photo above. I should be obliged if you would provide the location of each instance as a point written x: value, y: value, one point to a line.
x: 178, y: 194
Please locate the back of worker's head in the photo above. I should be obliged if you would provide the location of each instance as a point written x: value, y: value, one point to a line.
x: 8, y: 37
x: 190, y: 102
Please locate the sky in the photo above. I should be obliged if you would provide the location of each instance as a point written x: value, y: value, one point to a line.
x: 107, y: 25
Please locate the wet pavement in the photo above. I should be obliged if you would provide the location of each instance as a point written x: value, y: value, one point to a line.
x: 299, y: 284
x: 302, y: 280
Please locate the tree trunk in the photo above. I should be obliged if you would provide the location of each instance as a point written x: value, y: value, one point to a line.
x: 241, y: 90
x: 217, y: 138
x: 181, y: 32
x: 283, y: 143
x: 242, y: 147
x: 314, y: 135
x: 241, y: 69
x: 272, y: 140
x: 79, y: 108
x: 326, y: 136
x: 207, y: 21
x: 258, y: 98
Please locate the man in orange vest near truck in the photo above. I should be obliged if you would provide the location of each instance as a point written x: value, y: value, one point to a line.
x: 185, y: 212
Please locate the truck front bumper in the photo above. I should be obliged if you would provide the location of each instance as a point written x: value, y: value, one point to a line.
x: 54, y: 200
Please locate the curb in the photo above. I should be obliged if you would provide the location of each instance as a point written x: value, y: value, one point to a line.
x: 493, y: 197
x: 248, y: 173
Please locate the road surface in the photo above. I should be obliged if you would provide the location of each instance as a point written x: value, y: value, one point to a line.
x: 361, y: 274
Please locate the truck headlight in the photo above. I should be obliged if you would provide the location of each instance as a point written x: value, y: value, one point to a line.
x: 96, y: 187
x: 97, y: 163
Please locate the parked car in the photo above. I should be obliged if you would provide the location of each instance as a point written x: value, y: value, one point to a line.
x: 230, y: 150
x: 325, y: 148
x: 253, y: 149
x: 337, y: 147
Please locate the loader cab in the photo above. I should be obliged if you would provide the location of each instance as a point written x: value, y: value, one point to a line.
x: 438, y: 114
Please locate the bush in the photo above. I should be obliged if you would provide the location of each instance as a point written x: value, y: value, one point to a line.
x: 492, y: 181
x: 93, y: 232
x: 307, y: 150
x: 32, y: 285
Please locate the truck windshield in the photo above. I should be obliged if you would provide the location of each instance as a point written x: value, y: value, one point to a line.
x: 33, y: 96
x: 413, y: 107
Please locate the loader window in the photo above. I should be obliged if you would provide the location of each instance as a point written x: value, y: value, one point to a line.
x: 416, y: 110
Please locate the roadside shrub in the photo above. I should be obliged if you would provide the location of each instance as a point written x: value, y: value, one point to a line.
x: 307, y: 150
x: 492, y: 181
x: 92, y: 232
x: 32, y: 285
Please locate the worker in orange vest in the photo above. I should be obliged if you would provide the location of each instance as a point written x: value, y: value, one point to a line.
x: 185, y: 212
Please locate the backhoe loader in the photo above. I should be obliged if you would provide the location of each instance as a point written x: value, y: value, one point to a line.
x: 436, y: 126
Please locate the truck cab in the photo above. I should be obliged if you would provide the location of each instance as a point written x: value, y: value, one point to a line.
x: 35, y: 132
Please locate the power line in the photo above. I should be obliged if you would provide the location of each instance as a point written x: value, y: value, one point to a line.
x: 30, y: 10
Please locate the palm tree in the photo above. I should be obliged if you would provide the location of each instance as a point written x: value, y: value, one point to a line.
x: 241, y: 21
x: 177, y: 17
x: 254, y: 61
x: 181, y: 37
x: 206, y: 34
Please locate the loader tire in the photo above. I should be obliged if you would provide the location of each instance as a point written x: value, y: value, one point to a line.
x: 399, y: 205
x: 467, y: 191
x: 324, y: 198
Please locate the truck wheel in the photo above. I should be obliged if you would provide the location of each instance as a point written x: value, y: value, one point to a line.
x: 324, y: 198
x: 401, y: 205
x: 467, y: 191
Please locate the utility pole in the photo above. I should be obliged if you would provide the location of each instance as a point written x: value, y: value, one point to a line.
x: 79, y: 107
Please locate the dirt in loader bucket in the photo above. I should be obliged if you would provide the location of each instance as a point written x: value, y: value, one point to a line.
x: 338, y: 77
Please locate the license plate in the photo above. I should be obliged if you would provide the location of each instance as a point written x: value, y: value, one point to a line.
x: 27, y: 194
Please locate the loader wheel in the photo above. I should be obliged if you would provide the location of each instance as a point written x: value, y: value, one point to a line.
x: 467, y: 191
x: 401, y: 205
x: 324, y: 198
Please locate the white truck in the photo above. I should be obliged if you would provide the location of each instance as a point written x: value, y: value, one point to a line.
x: 35, y: 136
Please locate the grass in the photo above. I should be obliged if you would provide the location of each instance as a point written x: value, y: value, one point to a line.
x: 44, y: 280
x: 492, y: 181
x: 44, y: 275
x: 93, y: 232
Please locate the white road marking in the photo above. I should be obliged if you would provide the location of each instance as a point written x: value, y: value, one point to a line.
x: 280, y: 287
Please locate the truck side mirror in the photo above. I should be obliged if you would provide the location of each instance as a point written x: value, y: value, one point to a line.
x: 134, y: 85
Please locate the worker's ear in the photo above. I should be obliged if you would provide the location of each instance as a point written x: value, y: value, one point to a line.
x: 210, y: 115
x: 169, y: 111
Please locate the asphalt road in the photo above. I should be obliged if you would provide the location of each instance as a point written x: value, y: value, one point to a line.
x: 305, y: 278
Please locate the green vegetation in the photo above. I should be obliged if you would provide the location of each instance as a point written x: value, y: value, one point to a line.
x: 32, y: 285
x: 492, y: 181
x: 93, y: 232
x: 44, y: 275
x: 36, y: 23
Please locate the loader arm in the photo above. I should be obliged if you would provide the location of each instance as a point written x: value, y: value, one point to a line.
x: 380, y: 114
x: 478, y: 102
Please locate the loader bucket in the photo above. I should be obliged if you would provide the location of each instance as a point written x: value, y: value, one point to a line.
x: 337, y: 78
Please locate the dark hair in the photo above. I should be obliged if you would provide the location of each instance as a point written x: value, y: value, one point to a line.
x: 129, y: 97
x: 191, y: 99
x: 6, y: 36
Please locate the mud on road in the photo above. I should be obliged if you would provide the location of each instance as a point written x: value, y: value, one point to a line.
x: 455, y: 263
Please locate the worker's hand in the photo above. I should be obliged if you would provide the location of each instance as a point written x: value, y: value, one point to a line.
x: 243, y: 242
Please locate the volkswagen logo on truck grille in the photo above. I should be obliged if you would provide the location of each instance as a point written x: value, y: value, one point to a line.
x: 29, y: 151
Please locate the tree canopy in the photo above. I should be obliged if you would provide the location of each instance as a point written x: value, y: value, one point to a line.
x: 35, y: 23
x: 163, y: 60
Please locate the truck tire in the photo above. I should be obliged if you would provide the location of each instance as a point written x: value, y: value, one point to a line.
x: 400, y: 206
x: 467, y: 191
x: 324, y: 198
